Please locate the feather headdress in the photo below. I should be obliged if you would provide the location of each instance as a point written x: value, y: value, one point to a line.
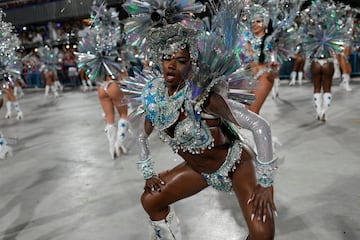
x: 218, y: 51
x: 153, y: 23
x: 98, y: 49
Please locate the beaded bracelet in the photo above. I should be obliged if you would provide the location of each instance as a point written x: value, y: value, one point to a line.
x: 265, y: 172
x: 146, y: 168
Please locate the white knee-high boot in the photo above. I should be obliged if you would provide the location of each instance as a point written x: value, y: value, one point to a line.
x: 326, y: 105
x: 90, y: 84
x: 167, y: 229
x: 110, y: 132
x: 5, y: 149
x: 21, y: 92
x: 8, y: 109
x: 47, y: 88
x: 58, y: 85
x: 292, y: 78
x: 16, y: 90
x: 345, y: 83
x: 300, y: 77
x: 121, y: 134
x: 54, y: 90
x: 317, y: 103
x: 85, y: 87
x: 130, y: 108
x: 275, y: 88
x: 19, y: 115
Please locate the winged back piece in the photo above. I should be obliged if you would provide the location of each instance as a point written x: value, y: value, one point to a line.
x: 98, y: 50
x: 322, y: 34
x: 10, y: 63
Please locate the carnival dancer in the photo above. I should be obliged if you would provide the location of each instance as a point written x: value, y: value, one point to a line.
x: 5, y: 149
x: 18, y: 88
x: 298, y: 68
x: 190, y: 105
x: 10, y: 66
x: 48, y: 57
x: 98, y: 51
x: 344, y: 57
x: 270, y: 43
x: 298, y: 58
x: 323, y: 40
x: 259, y: 49
x: 12, y: 103
x: 85, y: 80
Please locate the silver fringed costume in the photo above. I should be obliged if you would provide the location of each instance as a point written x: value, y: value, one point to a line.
x: 10, y: 65
x: 279, y: 45
x: 192, y: 134
x: 48, y: 58
x: 324, y: 35
x: 212, y: 74
x: 218, y: 70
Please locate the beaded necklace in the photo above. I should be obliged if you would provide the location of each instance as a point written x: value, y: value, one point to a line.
x: 191, y: 134
x: 168, y: 107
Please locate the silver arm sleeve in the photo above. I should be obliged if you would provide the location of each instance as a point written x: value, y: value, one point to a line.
x: 145, y: 163
x: 265, y: 164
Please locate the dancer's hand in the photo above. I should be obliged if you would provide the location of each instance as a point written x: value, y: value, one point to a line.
x: 153, y: 184
x: 262, y: 200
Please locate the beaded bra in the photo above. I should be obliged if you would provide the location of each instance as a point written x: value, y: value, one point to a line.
x: 191, y: 134
x: 255, y: 43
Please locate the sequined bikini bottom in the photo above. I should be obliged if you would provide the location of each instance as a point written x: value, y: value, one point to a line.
x: 220, y: 179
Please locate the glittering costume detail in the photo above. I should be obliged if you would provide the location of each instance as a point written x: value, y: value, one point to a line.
x: 261, y: 72
x: 153, y: 23
x: 48, y: 57
x: 169, y: 39
x: 98, y: 49
x: 145, y: 162
x: 10, y: 61
x: 220, y: 179
x: 323, y: 61
x: 146, y: 168
x: 105, y: 84
x: 322, y: 34
x: 255, y: 43
x: 5, y: 150
x: 265, y: 172
x: 219, y: 66
x: 191, y: 134
x: 167, y: 229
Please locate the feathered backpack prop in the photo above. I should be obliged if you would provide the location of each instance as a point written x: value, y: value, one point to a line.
x: 98, y: 50
x: 10, y: 63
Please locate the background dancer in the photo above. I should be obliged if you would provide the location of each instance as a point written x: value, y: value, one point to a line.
x: 99, y: 52
x: 323, y: 40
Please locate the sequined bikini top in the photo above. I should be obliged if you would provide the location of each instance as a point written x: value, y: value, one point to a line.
x: 255, y: 43
x: 191, y: 134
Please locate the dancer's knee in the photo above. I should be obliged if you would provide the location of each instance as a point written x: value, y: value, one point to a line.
x: 150, y: 202
x: 261, y: 231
